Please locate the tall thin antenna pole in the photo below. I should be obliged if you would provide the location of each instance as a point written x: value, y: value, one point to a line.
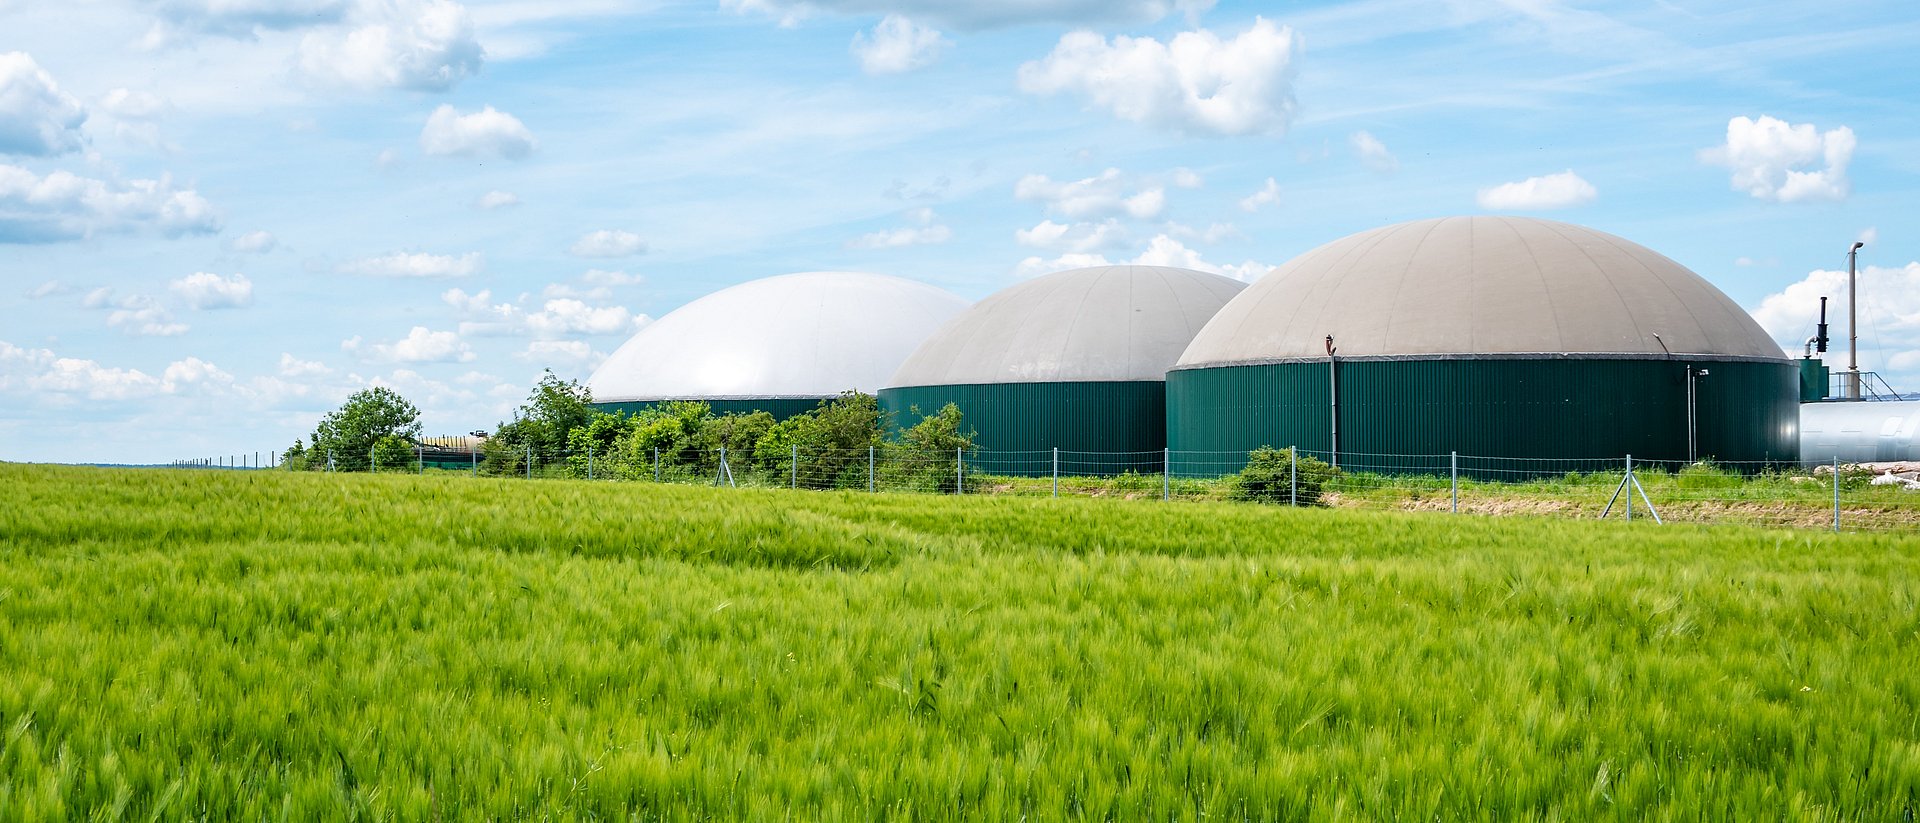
x: 1853, y: 327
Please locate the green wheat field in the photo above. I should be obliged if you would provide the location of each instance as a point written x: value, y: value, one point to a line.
x: 205, y: 645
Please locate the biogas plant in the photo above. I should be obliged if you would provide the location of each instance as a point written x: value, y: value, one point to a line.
x: 1500, y: 337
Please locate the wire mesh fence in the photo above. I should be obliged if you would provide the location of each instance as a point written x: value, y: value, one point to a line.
x: 1837, y: 496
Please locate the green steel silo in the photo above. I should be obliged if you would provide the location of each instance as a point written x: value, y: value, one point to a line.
x: 1074, y: 360
x: 1499, y: 337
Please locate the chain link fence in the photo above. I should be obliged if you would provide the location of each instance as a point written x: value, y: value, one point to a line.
x: 1835, y: 496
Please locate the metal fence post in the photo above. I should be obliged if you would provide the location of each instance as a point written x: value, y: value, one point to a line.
x: 656, y: 464
x: 1629, y: 488
x: 1453, y: 463
x: 959, y: 471
x: 419, y: 459
x: 329, y: 460
x: 1166, y: 474
x: 589, y: 460
x: 1293, y: 475
x: 529, y: 462
x: 373, y: 454
x: 869, y: 469
x: 474, y: 455
x: 1056, y: 471
x: 1836, y: 494
x: 793, y: 468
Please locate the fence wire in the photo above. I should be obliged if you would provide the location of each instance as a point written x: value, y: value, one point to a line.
x: 1835, y: 496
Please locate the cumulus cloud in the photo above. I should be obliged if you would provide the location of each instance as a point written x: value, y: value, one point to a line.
x: 488, y: 132
x: 36, y: 117
x: 1196, y: 82
x: 51, y: 288
x: 43, y: 372
x: 145, y: 321
x: 65, y: 206
x: 416, y: 264
x: 1110, y: 193
x: 291, y: 366
x: 576, y: 354
x: 1268, y: 194
x: 1553, y: 191
x: 1073, y: 237
x: 1373, y: 153
x: 128, y: 104
x: 255, y: 242
x: 602, y: 277
x: 1162, y: 250
x: 204, y: 290
x: 1786, y: 163
x: 980, y: 14
x: 1889, y: 316
x: 411, y: 44
x: 557, y: 317
x: 496, y: 200
x: 898, y: 45
x: 608, y: 243
x: 925, y: 232
x: 421, y: 345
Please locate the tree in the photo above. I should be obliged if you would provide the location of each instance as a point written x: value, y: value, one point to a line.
x: 543, y: 425
x: 350, y: 432
x: 927, y: 450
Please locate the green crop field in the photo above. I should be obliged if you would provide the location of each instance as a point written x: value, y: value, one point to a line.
x: 179, y: 645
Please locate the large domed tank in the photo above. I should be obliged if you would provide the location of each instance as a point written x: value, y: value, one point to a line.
x: 780, y: 344
x: 1074, y: 360
x: 1489, y: 336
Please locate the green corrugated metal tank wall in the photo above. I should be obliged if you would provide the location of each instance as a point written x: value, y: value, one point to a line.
x: 1561, y: 411
x: 1099, y: 427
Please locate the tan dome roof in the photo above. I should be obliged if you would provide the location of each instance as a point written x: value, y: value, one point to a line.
x: 1465, y: 286
x: 1119, y: 323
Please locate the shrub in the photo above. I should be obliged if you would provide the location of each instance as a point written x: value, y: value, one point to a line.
x: 1269, y: 478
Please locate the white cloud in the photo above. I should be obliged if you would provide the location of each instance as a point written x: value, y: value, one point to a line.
x: 419, y: 346
x: 608, y: 243
x: 1162, y: 250
x: 1786, y: 163
x: 145, y: 321
x: 1889, y: 317
x: 562, y: 354
x: 980, y: 14
x: 1373, y: 152
x: 422, y: 45
x: 128, y: 104
x: 926, y: 233
x: 36, y: 117
x: 1213, y: 233
x: 496, y: 200
x: 1195, y: 82
x: 1869, y: 235
x: 291, y: 366
x: 1553, y: 191
x: 1105, y: 194
x: 569, y: 316
x: 1186, y: 178
x: 204, y: 290
x: 1267, y: 195
x: 50, y: 288
x: 255, y: 242
x: 1073, y: 237
x: 416, y: 264
x: 489, y: 131
x: 898, y: 45
x: 42, y: 371
x: 64, y: 206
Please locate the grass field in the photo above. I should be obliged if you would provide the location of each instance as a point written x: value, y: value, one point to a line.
x: 265, y: 645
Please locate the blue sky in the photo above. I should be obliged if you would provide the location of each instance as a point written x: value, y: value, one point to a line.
x: 220, y: 217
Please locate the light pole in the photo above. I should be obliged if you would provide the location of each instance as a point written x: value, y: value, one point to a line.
x: 1853, y: 327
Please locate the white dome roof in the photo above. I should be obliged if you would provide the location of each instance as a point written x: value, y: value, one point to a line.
x: 1467, y: 286
x: 1101, y: 323
x: 813, y: 334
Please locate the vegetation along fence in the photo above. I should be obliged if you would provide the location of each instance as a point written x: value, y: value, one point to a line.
x: 1835, y: 496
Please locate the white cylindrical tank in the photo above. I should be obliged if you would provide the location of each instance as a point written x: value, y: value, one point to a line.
x: 1859, y: 432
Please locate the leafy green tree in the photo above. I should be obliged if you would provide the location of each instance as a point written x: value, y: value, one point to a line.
x: 392, y: 454
x: 540, y: 428
x: 924, y: 457
x: 832, y: 439
x: 597, y: 444
x: 295, y: 459
x: 350, y: 432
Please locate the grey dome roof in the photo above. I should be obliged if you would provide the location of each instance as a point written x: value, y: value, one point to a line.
x: 1467, y: 286
x: 1094, y: 324
x: 813, y: 334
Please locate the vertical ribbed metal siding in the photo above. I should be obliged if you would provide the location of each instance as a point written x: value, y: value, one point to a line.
x: 780, y: 407
x: 1548, y: 408
x: 1109, y: 417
